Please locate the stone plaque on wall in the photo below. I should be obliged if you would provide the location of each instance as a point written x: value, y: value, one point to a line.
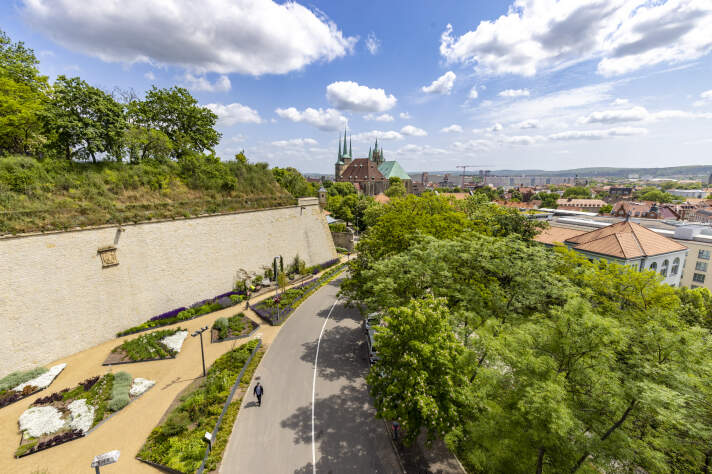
x: 108, y: 257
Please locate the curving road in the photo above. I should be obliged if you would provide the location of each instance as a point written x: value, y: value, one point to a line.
x: 312, y: 420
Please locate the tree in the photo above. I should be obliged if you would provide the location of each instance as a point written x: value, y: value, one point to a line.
x: 606, y: 209
x: 147, y: 143
x: 294, y: 183
x: 548, y: 200
x: 491, y: 219
x: 22, y: 98
x: 656, y: 195
x: 583, y: 192
x: 176, y: 114
x: 83, y: 121
x: 416, y: 380
x: 396, y: 188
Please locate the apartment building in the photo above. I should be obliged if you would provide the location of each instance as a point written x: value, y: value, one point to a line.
x: 694, y: 271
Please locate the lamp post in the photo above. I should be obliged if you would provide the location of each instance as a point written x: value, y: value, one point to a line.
x: 277, y: 268
x: 200, y: 332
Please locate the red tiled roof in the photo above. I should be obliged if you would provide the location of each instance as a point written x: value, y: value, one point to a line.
x: 625, y: 240
x: 554, y: 235
x: 362, y: 169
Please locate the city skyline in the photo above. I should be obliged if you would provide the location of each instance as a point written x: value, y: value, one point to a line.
x: 529, y: 84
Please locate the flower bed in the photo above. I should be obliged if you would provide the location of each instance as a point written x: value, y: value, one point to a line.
x: 201, y: 308
x: 19, y: 385
x: 157, y: 345
x: 276, y: 310
x: 71, y: 413
x: 234, y: 327
x: 177, y: 443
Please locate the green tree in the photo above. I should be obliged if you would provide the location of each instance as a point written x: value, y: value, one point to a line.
x: 582, y: 192
x: 147, y: 143
x: 83, y: 121
x: 176, y: 113
x: 491, y: 219
x: 656, y: 195
x: 416, y: 379
x: 22, y: 98
x: 396, y: 188
x: 294, y: 183
x: 605, y: 209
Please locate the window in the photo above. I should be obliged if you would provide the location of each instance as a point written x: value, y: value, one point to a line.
x: 703, y: 254
x: 654, y: 266
x: 701, y: 266
x: 664, y: 268
x: 698, y: 277
x: 675, y: 266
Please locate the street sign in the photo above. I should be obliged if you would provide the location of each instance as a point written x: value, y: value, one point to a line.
x: 106, y: 458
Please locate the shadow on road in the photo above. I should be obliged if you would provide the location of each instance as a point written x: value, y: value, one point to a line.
x: 346, y: 432
x: 342, y: 354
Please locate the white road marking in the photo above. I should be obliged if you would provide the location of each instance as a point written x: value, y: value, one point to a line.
x: 316, y: 358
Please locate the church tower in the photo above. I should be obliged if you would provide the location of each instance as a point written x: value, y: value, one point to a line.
x: 376, y: 154
x: 344, y: 157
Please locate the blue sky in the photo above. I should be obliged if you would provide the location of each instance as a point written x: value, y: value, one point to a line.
x: 527, y: 84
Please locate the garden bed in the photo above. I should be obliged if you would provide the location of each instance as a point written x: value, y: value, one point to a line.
x: 72, y: 413
x: 235, y: 327
x: 276, y: 310
x: 19, y: 385
x: 196, y: 310
x: 178, y: 442
x: 158, y: 345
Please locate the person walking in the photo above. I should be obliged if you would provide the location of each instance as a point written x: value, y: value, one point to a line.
x: 258, y: 391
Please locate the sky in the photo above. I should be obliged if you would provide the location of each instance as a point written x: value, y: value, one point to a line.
x: 527, y: 84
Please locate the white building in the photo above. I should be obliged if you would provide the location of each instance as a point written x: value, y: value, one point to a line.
x: 625, y: 243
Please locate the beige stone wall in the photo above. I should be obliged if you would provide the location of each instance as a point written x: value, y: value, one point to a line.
x: 56, y: 299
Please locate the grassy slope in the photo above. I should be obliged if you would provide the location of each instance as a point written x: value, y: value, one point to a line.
x: 51, y: 194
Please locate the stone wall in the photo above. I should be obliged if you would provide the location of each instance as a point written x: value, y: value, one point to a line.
x: 56, y: 297
x: 344, y: 240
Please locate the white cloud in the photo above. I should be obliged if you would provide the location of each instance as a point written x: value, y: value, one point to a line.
x: 377, y: 134
x: 349, y: 95
x: 621, y: 102
x: 413, y: 131
x: 411, y: 149
x: 373, y: 44
x: 472, y: 146
x: 225, y: 36
x: 623, y: 35
x: 523, y: 139
x: 404, y: 115
x: 231, y: 114
x: 379, y: 118
x: 633, y: 114
x: 497, y: 127
x: 329, y: 119
x: 705, y: 98
x: 201, y: 83
x: 473, y: 93
x: 150, y: 76
x: 514, y: 93
x: 454, y: 128
x: 295, y: 142
x: 441, y: 85
x: 528, y: 124
x: 598, y: 134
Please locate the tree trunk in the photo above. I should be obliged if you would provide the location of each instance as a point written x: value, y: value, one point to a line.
x: 540, y: 461
x: 610, y: 431
x: 708, y: 460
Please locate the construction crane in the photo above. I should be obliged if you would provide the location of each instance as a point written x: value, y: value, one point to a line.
x: 464, y: 171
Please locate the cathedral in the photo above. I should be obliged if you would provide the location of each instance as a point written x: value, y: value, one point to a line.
x: 370, y: 175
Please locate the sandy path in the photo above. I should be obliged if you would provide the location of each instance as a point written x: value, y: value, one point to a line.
x: 129, y: 428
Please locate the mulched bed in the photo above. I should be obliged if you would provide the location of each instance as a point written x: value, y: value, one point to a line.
x: 250, y: 327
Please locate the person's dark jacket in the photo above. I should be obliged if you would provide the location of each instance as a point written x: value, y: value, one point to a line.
x: 258, y: 391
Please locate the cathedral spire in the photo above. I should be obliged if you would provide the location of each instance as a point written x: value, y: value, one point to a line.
x: 339, y: 146
x: 345, y: 150
x: 350, y: 147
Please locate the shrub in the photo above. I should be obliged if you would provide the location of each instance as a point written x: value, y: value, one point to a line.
x: 337, y: 227
x: 120, y: 391
x: 16, y: 378
x: 176, y: 423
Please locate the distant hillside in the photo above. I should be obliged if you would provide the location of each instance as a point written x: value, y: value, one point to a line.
x: 694, y: 171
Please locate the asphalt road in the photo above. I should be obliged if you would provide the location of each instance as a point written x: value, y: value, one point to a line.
x: 344, y: 436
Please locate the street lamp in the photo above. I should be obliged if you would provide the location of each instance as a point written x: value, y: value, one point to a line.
x: 277, y: 269
x: 200, y: 332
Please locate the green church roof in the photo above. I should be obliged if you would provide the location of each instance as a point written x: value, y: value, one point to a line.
x: 392, y: 168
